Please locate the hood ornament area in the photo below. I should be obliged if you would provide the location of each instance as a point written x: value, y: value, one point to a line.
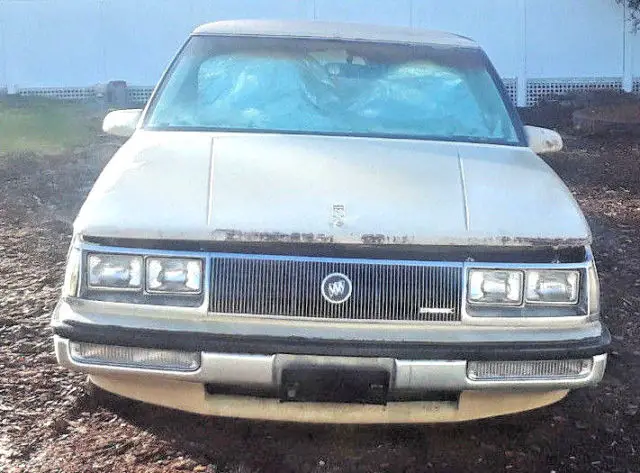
x: 336, y: 288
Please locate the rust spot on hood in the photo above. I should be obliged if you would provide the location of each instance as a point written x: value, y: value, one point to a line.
x: 382, y: 239
x: 379, y: 239
x: 538, y: 242
x: 301, y: 237
x: 274, y: 237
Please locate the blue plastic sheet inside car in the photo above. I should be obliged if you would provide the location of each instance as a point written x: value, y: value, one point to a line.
x: 285, y: 91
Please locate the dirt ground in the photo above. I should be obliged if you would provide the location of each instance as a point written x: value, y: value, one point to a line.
x: 49, y: 424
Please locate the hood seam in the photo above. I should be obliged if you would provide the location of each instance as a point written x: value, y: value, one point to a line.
x: 463, y: 186
x: 210, y: 186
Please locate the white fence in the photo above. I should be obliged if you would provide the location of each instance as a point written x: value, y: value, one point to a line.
x: 62, y: 47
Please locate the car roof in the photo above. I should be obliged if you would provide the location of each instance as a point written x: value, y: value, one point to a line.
x: 334, y: 30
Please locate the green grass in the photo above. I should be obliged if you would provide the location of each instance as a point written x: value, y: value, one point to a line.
x: 42, y: 126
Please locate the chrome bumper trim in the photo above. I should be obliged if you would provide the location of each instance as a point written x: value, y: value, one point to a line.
x: 263, y: 371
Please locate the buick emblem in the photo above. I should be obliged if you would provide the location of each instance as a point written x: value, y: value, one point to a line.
x: 336, y: 288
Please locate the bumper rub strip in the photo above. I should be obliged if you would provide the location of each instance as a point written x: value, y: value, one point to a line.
x: 211, y: 342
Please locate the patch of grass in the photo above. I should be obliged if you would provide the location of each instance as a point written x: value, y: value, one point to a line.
x: 44, y: 126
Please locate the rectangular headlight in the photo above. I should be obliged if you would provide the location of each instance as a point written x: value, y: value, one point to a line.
x: 174, y: 275
x: 490, y: 286
x: 552, y: 287
x: 112, y: 271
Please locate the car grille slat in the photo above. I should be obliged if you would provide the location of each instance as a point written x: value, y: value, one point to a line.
x: 275, y: 286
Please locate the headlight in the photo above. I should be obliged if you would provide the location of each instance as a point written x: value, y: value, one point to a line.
x: 532, y: 292
x: 552, y: 287
x: 492, y: 286
x: 106, y: 271
x: 141, y: 279
x: 174, y: 275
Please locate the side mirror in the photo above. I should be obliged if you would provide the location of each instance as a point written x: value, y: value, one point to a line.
x: 121, y: 122
x: 542, y: 140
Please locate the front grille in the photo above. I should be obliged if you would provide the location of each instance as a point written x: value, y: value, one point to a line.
x: 291, y: 287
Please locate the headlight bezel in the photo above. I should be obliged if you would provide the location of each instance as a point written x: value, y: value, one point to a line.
x: 525, y: 279
x: 585, y: 308
x: 141, y: 296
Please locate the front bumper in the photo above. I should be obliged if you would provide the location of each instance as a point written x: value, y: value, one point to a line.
x: 191, y: 397
x: 246, y: 369
x: 263, y: 372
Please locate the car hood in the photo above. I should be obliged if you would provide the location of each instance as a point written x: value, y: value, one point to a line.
x: 285, y: 188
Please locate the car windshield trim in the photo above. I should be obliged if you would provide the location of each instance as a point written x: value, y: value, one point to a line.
x: 518, y: 138
x: 391, y: 136
x: 408, y: 42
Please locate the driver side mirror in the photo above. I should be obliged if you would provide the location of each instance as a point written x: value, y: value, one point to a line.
x: 121, y: 122
x: 543, y: 140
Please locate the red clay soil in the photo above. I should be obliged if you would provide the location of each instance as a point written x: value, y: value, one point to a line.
x: 48, y: 423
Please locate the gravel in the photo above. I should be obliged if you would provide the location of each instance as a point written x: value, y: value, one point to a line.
x: 50, y: 423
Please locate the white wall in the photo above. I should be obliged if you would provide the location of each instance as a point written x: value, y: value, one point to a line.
x: 496, y: 25
x: 565, y: 41
x: 138, y: 49
x: 63, y: 43
x: 633, y: 53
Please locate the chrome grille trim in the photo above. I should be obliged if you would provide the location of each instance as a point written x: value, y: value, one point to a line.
x: 289, y: 287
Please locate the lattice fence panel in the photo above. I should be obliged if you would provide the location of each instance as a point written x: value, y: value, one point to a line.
x: 540, y: 88
x: 536, y: 89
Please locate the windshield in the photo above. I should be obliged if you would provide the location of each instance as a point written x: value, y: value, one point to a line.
x: 293, y: 85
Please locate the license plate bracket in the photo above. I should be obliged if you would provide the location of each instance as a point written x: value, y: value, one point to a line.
x: 334, y: 384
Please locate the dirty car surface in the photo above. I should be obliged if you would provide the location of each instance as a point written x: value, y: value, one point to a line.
x: 328, y: 224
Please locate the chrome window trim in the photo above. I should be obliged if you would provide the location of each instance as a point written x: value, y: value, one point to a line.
x: 465, y: 317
